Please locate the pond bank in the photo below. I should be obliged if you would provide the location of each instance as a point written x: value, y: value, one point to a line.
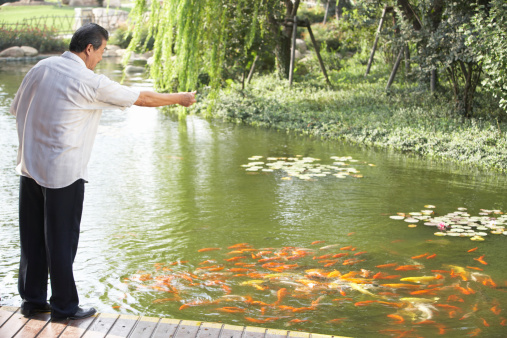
x: 12, y: 323
x: 359, y: 110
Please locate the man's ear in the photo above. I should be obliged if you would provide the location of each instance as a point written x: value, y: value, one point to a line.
x: 89, y: 49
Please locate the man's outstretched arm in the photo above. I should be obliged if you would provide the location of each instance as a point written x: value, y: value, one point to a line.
x: 154, y: 99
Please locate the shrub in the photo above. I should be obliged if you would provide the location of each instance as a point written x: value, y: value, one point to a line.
x: 122, y: 37
x: 44, y: 40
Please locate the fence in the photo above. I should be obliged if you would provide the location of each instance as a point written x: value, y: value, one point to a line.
x: 67, y: 24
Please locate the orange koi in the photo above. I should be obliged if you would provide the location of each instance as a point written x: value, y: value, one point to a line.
x: 402, y: 286
x: 360, y: 253
x: 197, y: 303
x: 303, y: 309
x: 331, y: 263
x: 208, y: 249
x: 481, y: 260
x: 269, y: 259
x: 322, y: 257
x: 398, y: 305
x: 116, y: 307
x: 226, y: 288
x: 296, y: 321
x: 454, y: 298
x: 441, y: 271
x: 209, y: 261
x: 351, y: 233
x: 397, y: 317
x: 235, y: 258
x: 474, y: 333
x: 431, y: 256
x: 447, y: 306
x: 474, y: 268
x: 340, y: 255
x: 408, y: 267
x: 239, y: 270
x: 336, y: 320
x: 472, y: 250
x: 239, y: 246
x: 261, y: 321
x: 420, y: 256
x: 431, y: 292
x: 389, y: 265
x: 496, y: 310
x: 317, y: 242
x: 280, y: 294
x: 347, y: 247
x: 230, y: 309
x: 352, y: 261
x: 365, y: 302
x: 503, y: 322
x: 484, y: 322
x: 245, y: 265
x: 426, y: 321
x: 235, y: 252
x: 381, y: 275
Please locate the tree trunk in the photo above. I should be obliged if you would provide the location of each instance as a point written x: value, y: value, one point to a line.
x: 410, y: 14
x: 283, y: 36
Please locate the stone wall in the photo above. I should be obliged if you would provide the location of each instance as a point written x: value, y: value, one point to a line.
x: 110, y: 19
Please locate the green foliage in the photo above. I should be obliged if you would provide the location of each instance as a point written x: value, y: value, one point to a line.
x: 44, y: 40
x: 441, y: 47
x: 407, y: 119
x: 488, y: 39
x: 122, y: 37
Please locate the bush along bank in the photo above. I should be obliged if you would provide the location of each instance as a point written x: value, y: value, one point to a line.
x: 408, y: 119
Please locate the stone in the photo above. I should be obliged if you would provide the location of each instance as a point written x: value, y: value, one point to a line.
x: 29, y: 51
x: 110, y: 19
x: 134, y: 69
x: 301, y: 46
x: 12, y: 52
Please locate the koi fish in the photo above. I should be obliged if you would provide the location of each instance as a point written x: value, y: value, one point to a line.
x: 317, y: 242
x: 297, y: 321
x: 235, y: 258
x: 329, y: 246
x: 481, y: 260
x: 208, y: 249
x: 474, y: 268
x: 336, y: 320
x: 421, y: 279
x: 399, y: 318
x: 340, y: 255
x: 402, y: 286
x: 496, y: 310
x: 408, y: 267
x: 389, y: 265
x: 474, y: 333
x: 280, y: 294
x: 360, y: 253
x: 365, y: 302
x: 261, y: 321
x: 447, y: 306
x: 322, y: 257
x: 431, y: 256
x: 347, y: 247
x: 231, y: 309
x: 239, y: 245
x: 420, y: 256
x: 473, y: 249
x: 361, y: 289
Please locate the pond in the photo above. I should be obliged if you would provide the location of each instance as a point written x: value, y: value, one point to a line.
x: 178, y: 224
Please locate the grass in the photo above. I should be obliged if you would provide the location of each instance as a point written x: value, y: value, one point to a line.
x: 407, y: 119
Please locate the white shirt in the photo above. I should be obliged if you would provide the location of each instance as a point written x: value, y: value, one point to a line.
x: 58, y: 108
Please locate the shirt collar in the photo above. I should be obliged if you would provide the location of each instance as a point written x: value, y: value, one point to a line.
x: 74, y: 57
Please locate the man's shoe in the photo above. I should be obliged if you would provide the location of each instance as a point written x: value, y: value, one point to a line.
x: 80, y: 314
x: 29, y: 311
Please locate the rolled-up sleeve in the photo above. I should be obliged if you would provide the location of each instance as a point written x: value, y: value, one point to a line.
x: 115, y: 94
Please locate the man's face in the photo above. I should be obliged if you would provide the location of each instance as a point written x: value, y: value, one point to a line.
x: 95, y: 56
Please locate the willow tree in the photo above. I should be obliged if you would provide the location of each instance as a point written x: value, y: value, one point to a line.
x: 195, y: 37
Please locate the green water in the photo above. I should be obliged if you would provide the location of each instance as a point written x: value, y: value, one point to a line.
x: 161, y: 188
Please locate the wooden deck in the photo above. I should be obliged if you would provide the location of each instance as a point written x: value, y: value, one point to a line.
x: 14, y: 324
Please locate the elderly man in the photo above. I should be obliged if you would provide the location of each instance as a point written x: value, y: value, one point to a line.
x: 58, y: 108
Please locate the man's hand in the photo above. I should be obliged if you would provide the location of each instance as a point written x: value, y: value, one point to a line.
x: 187, y: 99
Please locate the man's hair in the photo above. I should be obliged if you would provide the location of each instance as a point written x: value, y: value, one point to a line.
x: 90, y: 33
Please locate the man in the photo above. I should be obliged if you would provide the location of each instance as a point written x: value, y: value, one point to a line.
x: 57, y: 109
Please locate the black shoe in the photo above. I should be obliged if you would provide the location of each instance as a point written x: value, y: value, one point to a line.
x: 80, y: 314
x: 31, y: 310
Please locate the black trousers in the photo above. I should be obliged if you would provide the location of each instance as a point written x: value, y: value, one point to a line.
x: 49, y: 222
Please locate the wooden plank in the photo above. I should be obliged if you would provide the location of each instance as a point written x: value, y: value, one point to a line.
x: 232, y: 331
x: 13, y: 325
x: 166, y: 328
x: 75, y: 328
x: 6, y: 312
x: 145, y: 326
x: 34, y: 325
x: 254, y: 332
x: 101, y: 325
x: 187, y: 329
x: 273, y: 333
x: 123, y: 326
x: 52, y: 329
x: 210, y: 330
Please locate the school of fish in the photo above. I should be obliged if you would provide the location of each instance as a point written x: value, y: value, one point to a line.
x: 297, y: 286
